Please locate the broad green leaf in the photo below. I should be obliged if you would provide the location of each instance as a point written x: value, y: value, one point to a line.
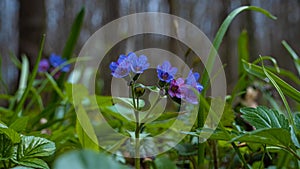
x: 22, y: 167
x: 297, y: 120
x: 10, y: 133
x: 164, y: 163
x: 32, y: 147
x: 285, y: 87
x: 220, y: 35
x: 20, y: 124
x: 34, y: 163
x: 85, y: 130
x: 294, y: 137
x: 270, y: 136
x: 262, y: 117
x: 87, y: 159
x: 6, y: 147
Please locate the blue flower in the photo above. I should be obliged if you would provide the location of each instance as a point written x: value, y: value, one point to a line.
x: 56, y: 61
x: 121, y: 68
x: 192, y: 79
x: 166, y: 72
x: 43, y: 65
x: 126, y: 64
x: 138, y: 64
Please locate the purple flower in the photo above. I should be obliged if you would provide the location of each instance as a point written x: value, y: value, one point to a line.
x: 175, y: 88
x: 166, y: 72
x: 43, y: 65
x: 192, y: 80
x: 138, y: 64
x: 189, y: 94
x: 121, y: 68
x: 56, y: 61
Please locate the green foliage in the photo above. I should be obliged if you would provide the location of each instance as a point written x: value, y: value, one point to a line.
x: 88, y: 160
x: 23, y: 150
x: 262, y: 117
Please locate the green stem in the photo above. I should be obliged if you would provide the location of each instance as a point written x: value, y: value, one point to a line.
x: 137, y: 128
x: 4, y: 165
x: 201, y: 146
x: 240, y: 155
x: 137, y: 141
x: 215, y: 153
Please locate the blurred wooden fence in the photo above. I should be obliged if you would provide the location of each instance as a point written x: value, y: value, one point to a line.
x: 22, y: 24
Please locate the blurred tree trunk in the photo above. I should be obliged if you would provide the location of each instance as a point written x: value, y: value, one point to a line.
x: 9, y: 39
x: 32, y: 27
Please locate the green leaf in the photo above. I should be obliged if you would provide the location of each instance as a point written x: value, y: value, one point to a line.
x: 20, y: 104
x: 20, y: 124
x: 22, y: 167
x: 73, y: 36
x: 293, y: 54
x: 219, y: 37
x: 214, y: 134
x: 32, y: 147
x: 72, y: 41
x: 128, y: 102
x: 10, y: 133
x: 285, y: 87
x: 34, y: 163
x: 23, y: 77
x: 186, y: 149
x: 164, y: 163
x: 262, y: 117
x: 85, y: 130
x: 6, y: 147
x: 297, y: 120
x: 88, y: 160
x: 294, y: 137
x: 243, y: 50
x: 54, y: 85
x: 270, y: 136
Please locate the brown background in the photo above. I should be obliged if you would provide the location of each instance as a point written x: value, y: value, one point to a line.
x: 22, y: 24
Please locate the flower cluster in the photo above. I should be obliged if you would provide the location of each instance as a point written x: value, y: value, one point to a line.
x: 180, y: 88
x: 54, y: 62
x: 126, y: 64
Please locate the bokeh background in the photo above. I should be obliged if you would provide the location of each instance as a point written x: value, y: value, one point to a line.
x: 22, y: 24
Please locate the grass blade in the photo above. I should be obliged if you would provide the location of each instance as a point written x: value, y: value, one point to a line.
x: 20, y: 104
x: 219, y: 37
x: 71, y: 42
x: 285, y: 87
x: 293, y: 54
